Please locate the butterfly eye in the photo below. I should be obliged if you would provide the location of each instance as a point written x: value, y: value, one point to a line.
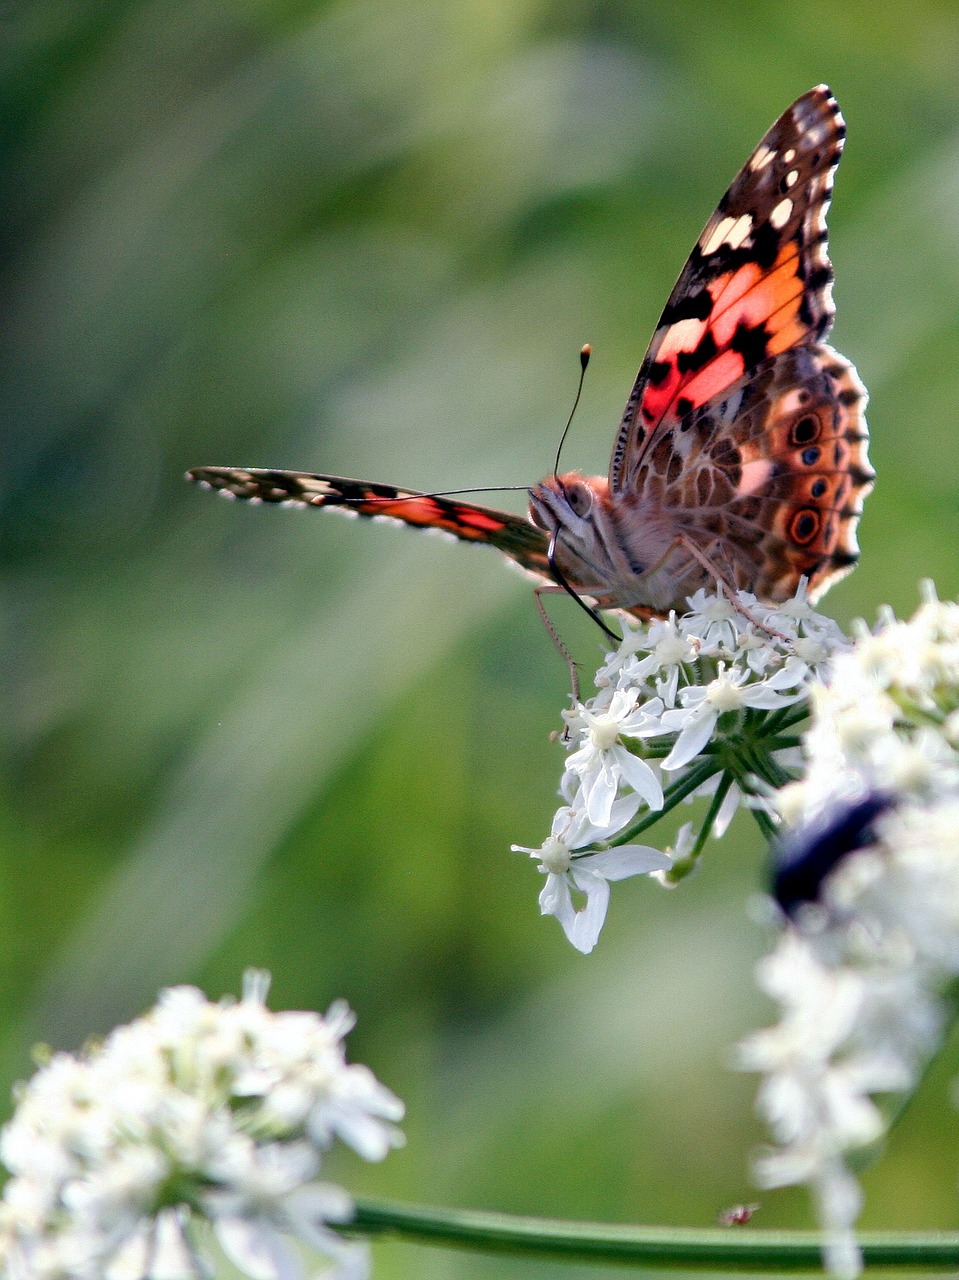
x: 579, y: 498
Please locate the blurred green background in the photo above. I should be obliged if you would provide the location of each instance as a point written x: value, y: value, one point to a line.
x: 369, y: 238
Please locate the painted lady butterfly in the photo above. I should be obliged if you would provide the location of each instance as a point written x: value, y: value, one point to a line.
x: 742, y: 450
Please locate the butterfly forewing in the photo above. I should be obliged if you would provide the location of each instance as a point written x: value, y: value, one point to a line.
x: 757, y: 283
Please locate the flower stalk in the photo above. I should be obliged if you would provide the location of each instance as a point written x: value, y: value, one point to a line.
x: 853, y: 746
x: 711, y: 1249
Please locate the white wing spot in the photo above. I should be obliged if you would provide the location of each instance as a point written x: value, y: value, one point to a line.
x: 792, y: 178
x: 685, y: 334
x: 789, y: 156
x: 780, y: 215
x: 764, y: 156
x: 732, y: 231
x: 792, y: 402
x: 754, y: 476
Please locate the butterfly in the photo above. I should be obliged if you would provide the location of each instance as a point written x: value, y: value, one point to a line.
x: 741, y: 456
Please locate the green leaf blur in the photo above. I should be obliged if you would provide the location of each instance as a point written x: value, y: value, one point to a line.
x: 369, y: 239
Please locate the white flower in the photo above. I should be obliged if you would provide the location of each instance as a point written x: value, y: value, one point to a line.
x: 715, y: 621
x: 668, y: 653
x: 797, y: 617
x: 158, y: 1250
x: 845, y: 1034
x: 228, y: 1106
x: 708, y: 694
x: 734, y: 690
x: 587, y: 875
x: 603, y: 763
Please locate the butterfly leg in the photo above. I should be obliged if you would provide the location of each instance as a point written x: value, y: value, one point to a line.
x: 555, y: 636
x: 727, y: 589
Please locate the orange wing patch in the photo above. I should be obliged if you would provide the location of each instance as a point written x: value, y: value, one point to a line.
x: 755, y: 315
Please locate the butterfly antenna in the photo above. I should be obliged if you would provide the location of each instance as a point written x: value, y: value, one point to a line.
x: 439, y: 493
x: 485, y: 488
x: 585, y: 352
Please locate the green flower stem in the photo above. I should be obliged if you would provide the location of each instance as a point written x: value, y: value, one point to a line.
x: 920, y: 714
x: 747, y: 764
x: 681, y: 869
x: 787, y: 717
x: 747, y: 757
x: 765, y: 824
x: 649, y: 751
x: 763, y: 766
x: 725, y: 1249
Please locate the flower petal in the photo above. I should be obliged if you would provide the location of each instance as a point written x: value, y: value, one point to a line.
x: 257, y: 1249
x: 600, y: 792
x: 621, y: 863
x: 640, y: 776
x: 586, y: 924
x: 556, y: 900
x: 693, y: 737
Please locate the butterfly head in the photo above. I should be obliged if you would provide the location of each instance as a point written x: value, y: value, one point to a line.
x: 573, y: 510
x: 567, y: 503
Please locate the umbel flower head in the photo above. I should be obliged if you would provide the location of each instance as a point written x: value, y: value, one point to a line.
x: 868, y: 882
x: 698, y: 705
x: 196, y: 1113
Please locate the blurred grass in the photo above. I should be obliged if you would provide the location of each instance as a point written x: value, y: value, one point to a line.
x: 369, y: 239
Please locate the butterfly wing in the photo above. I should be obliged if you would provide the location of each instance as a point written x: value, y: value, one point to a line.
x: 742, y: 449
x: 758, y: 282
x: 766, y: 481
x: 511, y: 534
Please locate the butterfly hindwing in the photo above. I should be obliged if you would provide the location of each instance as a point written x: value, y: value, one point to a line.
x: 757, y: 283
x: 768, y: 479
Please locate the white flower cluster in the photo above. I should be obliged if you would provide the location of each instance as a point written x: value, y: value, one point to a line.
x: 702, y: 702
x: 195, y: 1113
x: 870, y: 885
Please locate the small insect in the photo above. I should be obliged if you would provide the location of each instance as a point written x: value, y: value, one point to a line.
x: 742, y: 452
x: 737, y: 1215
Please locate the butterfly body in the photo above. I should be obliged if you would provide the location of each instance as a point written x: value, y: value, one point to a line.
x: 615, y: 554
x: 742, y: 452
